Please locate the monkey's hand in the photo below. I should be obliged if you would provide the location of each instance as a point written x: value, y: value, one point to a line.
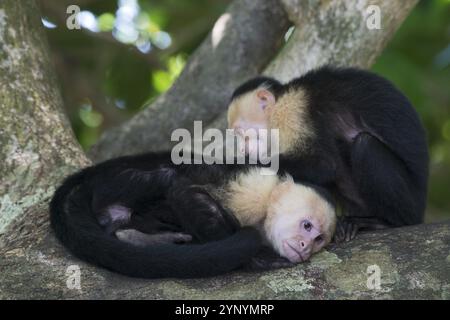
x: 348, y: 227
x: 141, y: 239
x: 267, y: 259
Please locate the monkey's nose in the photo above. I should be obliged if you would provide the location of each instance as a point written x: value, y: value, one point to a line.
x: 305, y: 247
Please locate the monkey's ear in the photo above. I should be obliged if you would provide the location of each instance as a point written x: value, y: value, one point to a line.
x: 265, y: 98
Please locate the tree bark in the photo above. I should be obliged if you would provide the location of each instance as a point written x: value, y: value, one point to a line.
x: 413, y: 263
x: 241, y: 44
x: 37, y: 145
x: 38, y: 150
x: 336, y: 33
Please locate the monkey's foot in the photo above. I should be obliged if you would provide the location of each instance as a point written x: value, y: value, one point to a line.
x: 141, y: 239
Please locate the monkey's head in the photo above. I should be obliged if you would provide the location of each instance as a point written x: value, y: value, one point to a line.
x: 300, y: 221
x: 249, y: 111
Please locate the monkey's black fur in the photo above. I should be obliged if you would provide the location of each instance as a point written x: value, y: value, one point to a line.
x: 163, y: 197
x: 368, y: 145
x: 273, y: 85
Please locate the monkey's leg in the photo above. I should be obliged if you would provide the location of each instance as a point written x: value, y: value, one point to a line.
x: 153, y: 221
x: 158, y: 218
x: 199, y: 214
x: 134, y: 199
x: 141, y: 239
x: 382, y: 181
x: 114, y: 217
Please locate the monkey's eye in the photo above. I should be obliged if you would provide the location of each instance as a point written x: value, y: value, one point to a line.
x: 319, y: 238
x: 307, y: 225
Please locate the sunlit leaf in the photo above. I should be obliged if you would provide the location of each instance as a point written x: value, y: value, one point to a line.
x: 175, y: 65
x: 106, y: 21
x: 90, y: 117
x: 161, y: 80
x: 153, y: 27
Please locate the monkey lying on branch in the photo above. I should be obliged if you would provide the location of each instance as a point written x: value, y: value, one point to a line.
x: 130, y: 215
x: 343, y: 130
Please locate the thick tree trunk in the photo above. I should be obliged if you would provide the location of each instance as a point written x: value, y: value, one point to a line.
x: 37, y: 145
x: 38, y: 150
x: 337, y: 32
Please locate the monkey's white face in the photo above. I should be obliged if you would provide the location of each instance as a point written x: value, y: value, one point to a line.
x: 299, y: 222
x: 247, y: 115
x: 252, y: 142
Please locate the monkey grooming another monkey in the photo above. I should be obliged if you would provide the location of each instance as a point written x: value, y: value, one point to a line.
x: 347, y: 130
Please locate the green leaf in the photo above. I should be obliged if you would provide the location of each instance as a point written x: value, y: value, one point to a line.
x: 106, y: 21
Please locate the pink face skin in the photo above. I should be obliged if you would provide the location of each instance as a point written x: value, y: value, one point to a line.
x: 308, y: 240
x: 246, y: 116
x: 250, y: 142
x: 299, y: 222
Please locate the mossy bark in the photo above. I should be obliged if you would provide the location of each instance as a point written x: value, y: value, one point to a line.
x: 413, y: 263
x: 37, y: 146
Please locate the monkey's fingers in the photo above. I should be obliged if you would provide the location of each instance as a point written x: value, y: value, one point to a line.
x: 351, y: 231
x: 267, y: 259
x: 179, y: 237
x: 263, y: 264
x: 339, y: 234
x: 348, y: 227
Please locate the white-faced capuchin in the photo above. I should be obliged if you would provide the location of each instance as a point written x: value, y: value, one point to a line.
x: 348, y: 130
x: 143, y: 216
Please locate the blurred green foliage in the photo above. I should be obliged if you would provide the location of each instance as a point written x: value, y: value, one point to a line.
x: 417, y: 60
x: 126, y: 54
x: 129, y: 51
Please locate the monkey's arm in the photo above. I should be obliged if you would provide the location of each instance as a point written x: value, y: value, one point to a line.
x: 199, y: 214
x: 368, y: 152
x: 312, y: 169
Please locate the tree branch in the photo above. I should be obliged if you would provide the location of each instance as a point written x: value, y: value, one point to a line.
x: 402, y: 256
x: 241, y: 44
x: 336, y: 32
x: 36, y: 143
x: 332, y: 32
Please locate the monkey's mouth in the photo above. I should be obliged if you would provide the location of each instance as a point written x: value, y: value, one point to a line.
x: 293, y: 252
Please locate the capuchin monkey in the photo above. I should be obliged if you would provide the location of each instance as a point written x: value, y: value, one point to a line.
x: 347, y: 130
x: 295, y: 220
x: 144, y: 216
